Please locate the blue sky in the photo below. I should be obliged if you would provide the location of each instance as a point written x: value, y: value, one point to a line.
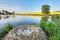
x: 28, y: 5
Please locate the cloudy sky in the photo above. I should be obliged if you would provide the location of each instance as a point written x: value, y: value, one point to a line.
x: 28, y: 5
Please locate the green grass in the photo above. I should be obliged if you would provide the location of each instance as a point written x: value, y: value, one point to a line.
x: 52, y: 28
x: 5, y: 30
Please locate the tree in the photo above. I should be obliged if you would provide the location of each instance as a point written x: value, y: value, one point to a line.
x: 46, y: 9
x: 44, y: 20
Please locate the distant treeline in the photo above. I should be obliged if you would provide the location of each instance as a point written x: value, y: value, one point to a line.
x: 4, y: 12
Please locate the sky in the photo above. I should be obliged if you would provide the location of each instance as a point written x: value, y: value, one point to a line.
x: 28, y: 5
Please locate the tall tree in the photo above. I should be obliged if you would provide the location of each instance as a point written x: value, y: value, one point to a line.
x: 46, y: 9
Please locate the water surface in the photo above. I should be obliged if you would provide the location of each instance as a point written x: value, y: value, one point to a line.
x: 19, y: 20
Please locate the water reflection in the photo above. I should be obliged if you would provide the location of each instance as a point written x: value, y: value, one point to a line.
x: 19, y: 20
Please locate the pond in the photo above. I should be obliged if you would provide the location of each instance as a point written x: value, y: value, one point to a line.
x: 19, y: 20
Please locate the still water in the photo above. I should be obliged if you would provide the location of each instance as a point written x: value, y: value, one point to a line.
x: 19, y: 20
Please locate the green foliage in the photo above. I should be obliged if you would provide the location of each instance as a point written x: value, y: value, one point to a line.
x: 55, y: 18
x: 43, y: 22
x: 56, y: 34
x: 53, y: 38
x: 5, y: 30
x: 46, y: 9
x: 51, y: 27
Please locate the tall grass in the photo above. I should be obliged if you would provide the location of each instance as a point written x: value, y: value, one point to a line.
x: 52, y: 28
x: 5, y: 30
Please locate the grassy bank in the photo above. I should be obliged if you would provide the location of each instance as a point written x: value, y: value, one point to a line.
x: 5, y: 30
x: 51, y: 27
